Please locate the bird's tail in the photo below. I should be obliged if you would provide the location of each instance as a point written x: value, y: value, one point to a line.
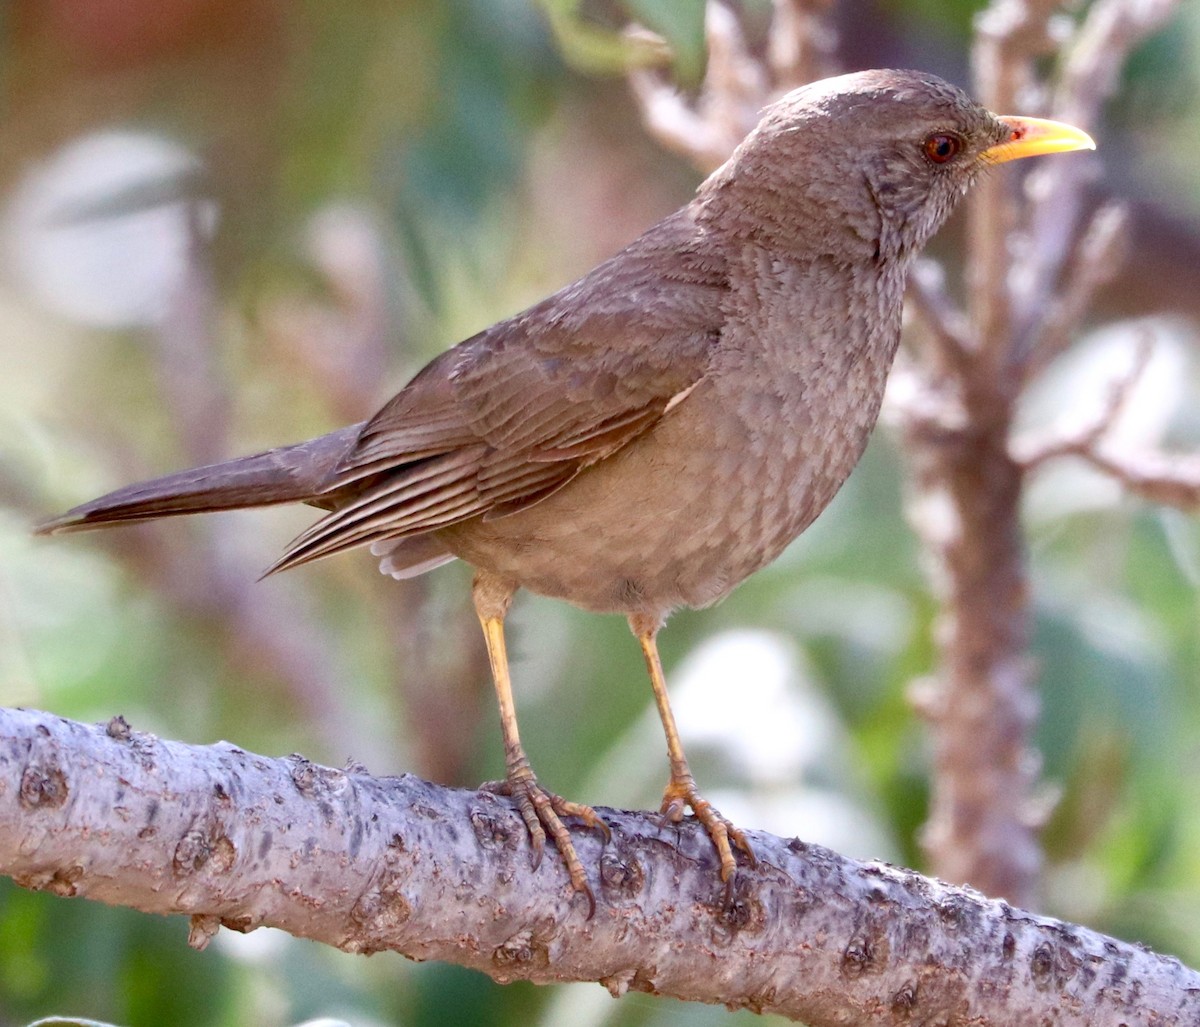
x: 290, y: 474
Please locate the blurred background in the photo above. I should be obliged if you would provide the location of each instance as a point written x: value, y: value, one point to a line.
x: 231, y: 224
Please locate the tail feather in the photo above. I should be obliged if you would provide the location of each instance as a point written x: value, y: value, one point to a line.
x: 290, y: 474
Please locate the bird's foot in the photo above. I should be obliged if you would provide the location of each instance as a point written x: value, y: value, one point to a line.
x: 680, y: 794
x: 542, y: 812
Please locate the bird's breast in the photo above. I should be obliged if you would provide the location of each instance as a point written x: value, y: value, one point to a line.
x: 726, y: 479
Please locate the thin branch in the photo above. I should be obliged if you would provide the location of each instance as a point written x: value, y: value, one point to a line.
x: 1097, y: 261
x: 949, y: 331
x: 734, y: 90
x: 1009, y: 36
x: 736, y: 84
x: 669, y: 118
x: 1095, y: 56
x: 1110, y: 33
x: 1085, y: 439
x: 1172, y: 479
x: 368, y: 864
x: 802, y: 46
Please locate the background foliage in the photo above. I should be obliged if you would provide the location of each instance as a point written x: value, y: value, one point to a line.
x: 229, y: 225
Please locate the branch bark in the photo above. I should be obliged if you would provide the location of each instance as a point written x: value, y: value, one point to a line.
x: 369, y: 864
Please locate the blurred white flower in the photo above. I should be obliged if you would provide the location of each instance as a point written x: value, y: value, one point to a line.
x: 100, y: 231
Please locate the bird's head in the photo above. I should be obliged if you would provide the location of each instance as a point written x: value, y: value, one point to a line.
x: 870, y: 164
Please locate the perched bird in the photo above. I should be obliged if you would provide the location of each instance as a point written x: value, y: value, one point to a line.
x: 652, y: 434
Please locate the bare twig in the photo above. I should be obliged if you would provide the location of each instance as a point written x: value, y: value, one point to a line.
x: 242, y: 841
x: 1170, y: 479
x: 1085, y: 439
x: 736, y: 85
x: 735, y: 88
x: 1110, y: 33
x: 802, y: 46
x: 1009, y: 36
x: 949, y: 332
x: 1094, y: 58
x: 669, y: 118
x: 1098, y: 258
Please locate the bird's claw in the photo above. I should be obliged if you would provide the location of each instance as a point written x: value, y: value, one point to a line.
x: 542, y: 812
x: 680, y: 794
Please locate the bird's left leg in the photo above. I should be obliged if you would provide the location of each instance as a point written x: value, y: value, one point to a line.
x: 541, y: 810
x: 681, y: 790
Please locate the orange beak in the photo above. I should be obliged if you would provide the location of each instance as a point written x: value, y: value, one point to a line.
x: 1033, y: 136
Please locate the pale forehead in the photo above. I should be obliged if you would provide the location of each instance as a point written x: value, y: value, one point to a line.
x: 881, y: 101
x: 906, y: 88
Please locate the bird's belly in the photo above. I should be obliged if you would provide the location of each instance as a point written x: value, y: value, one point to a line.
x: 680, y: 516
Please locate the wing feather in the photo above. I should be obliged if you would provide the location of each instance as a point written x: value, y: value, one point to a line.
x: 513, y: 414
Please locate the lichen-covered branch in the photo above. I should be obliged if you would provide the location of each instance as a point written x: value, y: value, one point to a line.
x: 238, y: 840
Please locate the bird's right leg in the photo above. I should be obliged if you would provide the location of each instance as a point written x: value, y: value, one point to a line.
x: 681, y: 789
x: 541, y: 810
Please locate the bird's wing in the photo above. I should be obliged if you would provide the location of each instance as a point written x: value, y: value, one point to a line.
x: 511, y: 415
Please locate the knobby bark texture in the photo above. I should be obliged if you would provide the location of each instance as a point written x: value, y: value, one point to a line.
x: 983, y: 706
x: 369, y: 864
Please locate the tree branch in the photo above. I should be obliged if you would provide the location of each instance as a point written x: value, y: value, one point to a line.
x: 1094, y: 57
x: 737, y: 85
x: 981, y: 701
x: 1084, y: 439
x: 735, y: 88
x: 1098, y: 257
x: 949, y: 334
x: 1172, y: 479
x: 802, y: 45
x: 370, y: 864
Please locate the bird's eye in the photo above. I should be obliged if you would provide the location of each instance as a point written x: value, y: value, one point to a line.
x: 942, y: 147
